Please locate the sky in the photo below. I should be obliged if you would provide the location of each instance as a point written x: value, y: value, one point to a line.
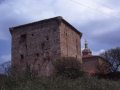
x: 98, y: 20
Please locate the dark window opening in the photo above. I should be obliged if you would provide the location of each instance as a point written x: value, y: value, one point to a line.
x: 42, y: 45
x: 47, y: 38
x: 37, y: 54
x: 47, y: 54
x: 35, y: 61
x: 26, y: 46
x: 23, y: 37
x: 66, y: 34
x: 22, y: 56
x: 41, y: 27
x: 77, y: 45
x: 54, y: 30
x: 39, y: 66
x: 32, y: 34
x: 76, y: 40
x: 76, y: 56
x: 77, y: 48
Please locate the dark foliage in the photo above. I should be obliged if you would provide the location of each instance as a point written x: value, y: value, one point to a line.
x: 68, y: 67
x: 109, y: 76
x: 85, y: 82
x: 113, y: 57
x: 5, y: 68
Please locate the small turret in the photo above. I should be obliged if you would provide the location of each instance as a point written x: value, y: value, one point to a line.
x: 86, y: 51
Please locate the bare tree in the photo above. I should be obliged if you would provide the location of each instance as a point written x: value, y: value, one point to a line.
x: 113, y: 57
x: 5, y: 68
x: 104, y: 68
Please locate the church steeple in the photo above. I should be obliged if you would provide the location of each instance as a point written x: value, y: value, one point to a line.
x: 86, y: 51
x: 86, y: 44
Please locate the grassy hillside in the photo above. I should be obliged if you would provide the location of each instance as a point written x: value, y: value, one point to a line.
x: 59, y: 83
x: 69, y: 67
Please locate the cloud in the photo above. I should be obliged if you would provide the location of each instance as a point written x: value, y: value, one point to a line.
x: 101, y: 34
x: 97, y: 52
x: 17, y: 12
x: 100, y: 30
x: 5, y: 58
x: 2, y: 36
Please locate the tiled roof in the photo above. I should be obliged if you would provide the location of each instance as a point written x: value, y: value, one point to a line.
x: 91, y: 56
x: 88, y: 56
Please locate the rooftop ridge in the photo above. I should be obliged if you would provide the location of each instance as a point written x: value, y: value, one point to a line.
x: 37, y: 22
x: 32, y: 23
x: 92, y: 56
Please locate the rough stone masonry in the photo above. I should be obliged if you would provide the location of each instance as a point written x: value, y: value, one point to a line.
x: 36, y: 45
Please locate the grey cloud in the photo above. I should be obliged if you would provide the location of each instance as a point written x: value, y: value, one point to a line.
x: 9, y: 22
x: 101, y: 31
x: 111, y: 38
x: 111, y: 3
x: 101, y: 34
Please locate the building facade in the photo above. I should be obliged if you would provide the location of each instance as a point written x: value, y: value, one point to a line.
x: 94, y: 64
x: 36, y: 45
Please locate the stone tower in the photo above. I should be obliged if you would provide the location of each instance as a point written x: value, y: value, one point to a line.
x: 36, y: 45
x: 86, y: 51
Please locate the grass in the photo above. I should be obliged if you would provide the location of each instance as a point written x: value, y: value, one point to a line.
x: 59, y: 83
x: 81, y: 80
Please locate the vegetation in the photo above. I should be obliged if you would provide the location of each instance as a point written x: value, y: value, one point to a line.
x: 113, y: 57
x: 59, y: 83
x: 68, y: 67
x: 68, y: 77
x: 6, y: 68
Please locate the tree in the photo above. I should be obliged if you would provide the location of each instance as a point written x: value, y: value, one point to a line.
x: 104, y: 68
x: 68, y: 67
x: 5, y: 68
x: 13, y: 71
x: 113, y: 57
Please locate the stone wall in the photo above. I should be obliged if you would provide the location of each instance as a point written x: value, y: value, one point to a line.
x: 36, y: 45
x: 90, y: 64
x: 70, y: 42
x: 96, y: 64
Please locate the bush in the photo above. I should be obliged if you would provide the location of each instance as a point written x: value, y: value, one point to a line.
x: 61, y: 83
x: 68, y: 67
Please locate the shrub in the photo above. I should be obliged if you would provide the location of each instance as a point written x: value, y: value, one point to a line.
x: 68, y: 67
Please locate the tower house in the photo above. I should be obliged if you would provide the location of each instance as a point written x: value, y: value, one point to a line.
x: 35, y: 45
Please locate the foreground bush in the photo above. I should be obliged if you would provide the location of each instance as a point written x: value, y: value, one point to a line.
x: 68, y: 67
x: 60, y: 83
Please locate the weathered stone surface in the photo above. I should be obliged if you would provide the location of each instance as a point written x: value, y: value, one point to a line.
x: 95, y: 64
x: 38, y: 44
